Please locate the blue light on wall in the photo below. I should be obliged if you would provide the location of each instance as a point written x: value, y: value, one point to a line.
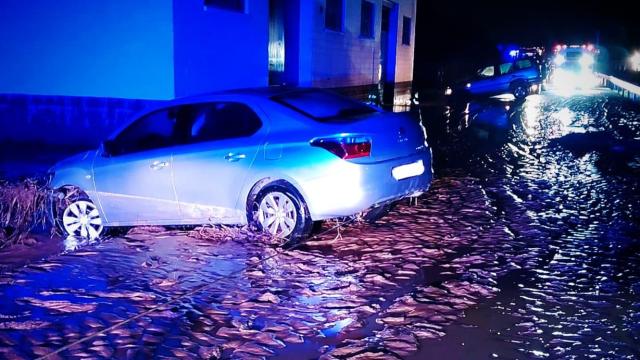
x: 218, y: 49
x: 115, y: 48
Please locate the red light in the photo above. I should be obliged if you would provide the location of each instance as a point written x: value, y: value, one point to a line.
x: 590, y: 47
x: 357, y: 150
x: 345, y: 147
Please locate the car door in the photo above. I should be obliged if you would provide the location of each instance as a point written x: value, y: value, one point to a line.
x: 133, y: 176
x: 505, y: 77
x: 525, y: 69
x: 210, y: 171
x: 485, y: 82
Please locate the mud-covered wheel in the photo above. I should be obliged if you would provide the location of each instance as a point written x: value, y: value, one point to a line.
x: 280, y: 211
x: 78, y: 216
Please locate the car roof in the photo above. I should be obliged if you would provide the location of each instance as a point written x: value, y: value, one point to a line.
x: 265, y: 92
x: 260, y: 92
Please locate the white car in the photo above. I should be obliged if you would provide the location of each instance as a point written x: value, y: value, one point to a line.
x: 573, y: 68
x: 276, y: 158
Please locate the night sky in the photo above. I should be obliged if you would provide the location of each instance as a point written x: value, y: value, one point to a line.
x: 465, y: 30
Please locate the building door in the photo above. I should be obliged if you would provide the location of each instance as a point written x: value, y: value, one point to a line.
x: 388, y: 44
x: 285, y: 34
x: 276, y: 42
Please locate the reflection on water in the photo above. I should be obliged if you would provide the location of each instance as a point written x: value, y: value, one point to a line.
x: 563, y: 179
x: 531, y: 116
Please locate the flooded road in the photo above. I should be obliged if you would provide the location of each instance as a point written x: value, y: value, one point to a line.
x: 563, y: 175
x: 527, y: 246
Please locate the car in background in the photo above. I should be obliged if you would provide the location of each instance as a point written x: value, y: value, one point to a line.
x: 275, y: 158
x: 573, y: 67
x: 519, y: 77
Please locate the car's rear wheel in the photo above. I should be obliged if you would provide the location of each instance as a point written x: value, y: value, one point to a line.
x: 80, y: 218
x: 374, y: 214
x: 280, y: 211
x: 520, y: 90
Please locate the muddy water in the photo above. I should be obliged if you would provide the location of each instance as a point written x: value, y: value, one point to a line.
x: 526, y: 246
x: 564, y: 178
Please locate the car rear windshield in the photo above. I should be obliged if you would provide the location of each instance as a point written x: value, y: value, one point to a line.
x: 573, y: 55
x: 323, y: 105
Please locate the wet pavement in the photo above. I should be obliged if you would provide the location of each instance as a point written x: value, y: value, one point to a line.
x: 527, y: 246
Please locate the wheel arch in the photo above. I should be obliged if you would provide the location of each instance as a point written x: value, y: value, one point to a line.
x: 63, y: 190
x: 66, y: 188
x: 516, y: 82
x: 264, y: 182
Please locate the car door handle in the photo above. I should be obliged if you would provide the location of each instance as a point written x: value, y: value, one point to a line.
x: 231, y: 157
x: 157, y: 165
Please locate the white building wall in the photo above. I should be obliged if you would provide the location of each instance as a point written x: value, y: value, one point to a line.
x: 343, y: 59
x: 115, y: 48
x: 404, y: 53
x: 217, y: 49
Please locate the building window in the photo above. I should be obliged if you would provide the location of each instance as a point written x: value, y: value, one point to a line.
x: 233, y: 5
x: 366, y: 19
x: 333, y: 13
x: 406, y: 30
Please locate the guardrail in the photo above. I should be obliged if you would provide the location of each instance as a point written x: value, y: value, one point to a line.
x: 625, y: 88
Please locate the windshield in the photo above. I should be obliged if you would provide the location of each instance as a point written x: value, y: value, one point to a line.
x: 324, y: 105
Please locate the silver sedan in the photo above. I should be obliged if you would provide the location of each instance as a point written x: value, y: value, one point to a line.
x: 275, y: 158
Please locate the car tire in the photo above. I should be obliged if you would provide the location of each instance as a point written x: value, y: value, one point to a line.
x: 279, y: 210
x: 374, y: 214
x: 520, y: 90
x: 76, y: 215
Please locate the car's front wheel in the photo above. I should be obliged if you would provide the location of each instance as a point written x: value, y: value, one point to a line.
x: 79, y: 217
x: 281, y: 212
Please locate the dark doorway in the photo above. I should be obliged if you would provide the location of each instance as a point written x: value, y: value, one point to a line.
x: 276, y: 41
x: 284, y: 42
x: 388, y: 43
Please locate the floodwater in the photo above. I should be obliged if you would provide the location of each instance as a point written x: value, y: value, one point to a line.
x: 525, y: 247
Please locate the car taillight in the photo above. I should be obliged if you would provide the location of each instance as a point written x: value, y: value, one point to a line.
x: 345, y: 147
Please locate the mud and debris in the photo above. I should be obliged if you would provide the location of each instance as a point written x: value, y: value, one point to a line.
x: 24, y: 206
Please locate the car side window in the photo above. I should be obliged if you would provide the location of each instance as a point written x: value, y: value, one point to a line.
x: 523, y: 64
x: 162, y: 128
x: 489, y: 71
x: 505, y: 68
x: 152, y: 131
x: 228, y: 120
